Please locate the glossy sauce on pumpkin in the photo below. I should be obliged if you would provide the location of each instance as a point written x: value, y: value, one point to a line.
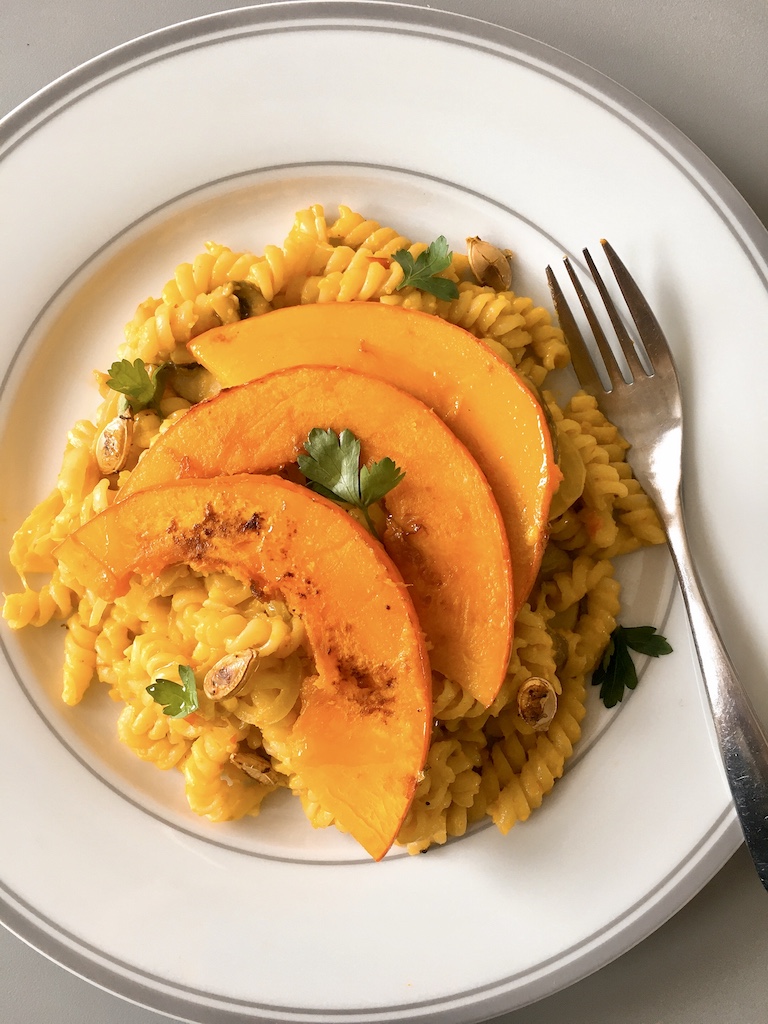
x: 444, y: 530
x: 485, y: 403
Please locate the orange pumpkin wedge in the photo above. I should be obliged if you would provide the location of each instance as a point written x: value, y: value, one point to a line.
x: 481, y: 398
x: 362, y: 731
x: 444, y: 531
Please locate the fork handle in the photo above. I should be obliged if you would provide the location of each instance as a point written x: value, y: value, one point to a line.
x: 743, y: 742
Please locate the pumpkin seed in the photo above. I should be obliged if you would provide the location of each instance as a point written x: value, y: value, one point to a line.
x: 489, y: 264
x: 231, y: 675
x: 255, y: 767
x: 537, y: 703
x: 114, y: 444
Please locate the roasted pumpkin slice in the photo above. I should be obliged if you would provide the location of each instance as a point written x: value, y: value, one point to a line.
x: 361, y: 734
x: 443, y: 528
x: 481, y: 398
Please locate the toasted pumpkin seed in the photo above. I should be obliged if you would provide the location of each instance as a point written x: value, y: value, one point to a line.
x: 537, y: 703
x: 255, y: 767
x: 489, y: 264
x: 114, y: 443
x: 231, y: 675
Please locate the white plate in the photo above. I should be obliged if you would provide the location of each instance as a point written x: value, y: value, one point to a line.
x: 221, y: 128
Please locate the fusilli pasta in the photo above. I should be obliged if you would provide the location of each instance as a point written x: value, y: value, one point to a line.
x: 482, y: 762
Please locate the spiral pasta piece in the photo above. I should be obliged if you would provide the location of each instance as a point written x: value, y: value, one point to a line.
x: 448, y: 780
x: 450, y: 702
x: 79, y: 657
x: 212, y: 788
x: 54, y: 600
x: 33, y: 543
x: 152, y: 736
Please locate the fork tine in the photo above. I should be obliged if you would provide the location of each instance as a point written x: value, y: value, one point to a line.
x: 582, y: 361
x: 626, y: 343
x: 609, y: 359
x: 648, y: 328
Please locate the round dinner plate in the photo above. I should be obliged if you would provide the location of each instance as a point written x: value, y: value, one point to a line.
x: 220, y: 129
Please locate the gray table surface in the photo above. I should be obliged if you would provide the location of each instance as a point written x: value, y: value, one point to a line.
x: 701, y: 63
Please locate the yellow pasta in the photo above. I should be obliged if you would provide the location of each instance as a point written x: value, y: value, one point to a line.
x: 54, y: 600
x: 79, y: 655
x: 483, y: 762
x: 203, y: 768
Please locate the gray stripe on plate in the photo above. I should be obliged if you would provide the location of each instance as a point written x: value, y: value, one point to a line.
x: 484, y: 37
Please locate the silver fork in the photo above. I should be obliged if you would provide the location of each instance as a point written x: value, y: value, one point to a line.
x: 648, y: 410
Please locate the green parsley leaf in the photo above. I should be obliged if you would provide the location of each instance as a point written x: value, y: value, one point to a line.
x: 134, y: 381
x: 177, y: 701
x: 616, y: 672
x: 421, y: 272
x: 332, y: 467
x: 332, y: 463
x: 378, y: 479
x: 645, y: 640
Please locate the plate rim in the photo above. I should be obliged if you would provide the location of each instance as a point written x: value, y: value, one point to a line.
x: 172, y: 39
x: 69, y: 87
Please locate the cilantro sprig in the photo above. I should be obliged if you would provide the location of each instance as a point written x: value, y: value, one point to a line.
x: 332, y: 467
x: 178, y: 701
x: 133, y: 380
x: 617, y: 672
x: 422, y: 272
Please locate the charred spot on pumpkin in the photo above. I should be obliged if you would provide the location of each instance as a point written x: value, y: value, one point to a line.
x: 210, y: 525
x: 252, y: 524
x: 369, y: 687
x: 193, y: 544
x: 410, y: 558
x: 308, y: 588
